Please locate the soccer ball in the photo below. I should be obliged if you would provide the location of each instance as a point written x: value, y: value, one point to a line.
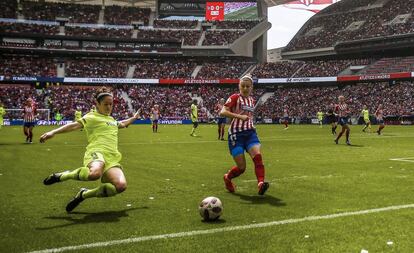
x: 210, y: 208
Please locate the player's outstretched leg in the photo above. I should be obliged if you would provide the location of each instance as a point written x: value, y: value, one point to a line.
x: 81, y: 174
x: 76, y: 200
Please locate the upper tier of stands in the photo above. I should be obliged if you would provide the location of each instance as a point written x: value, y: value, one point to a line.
x: 345, y: 21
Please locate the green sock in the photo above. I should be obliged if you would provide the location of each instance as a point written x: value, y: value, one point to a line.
x: 81, y: 174
x: 104, y: 190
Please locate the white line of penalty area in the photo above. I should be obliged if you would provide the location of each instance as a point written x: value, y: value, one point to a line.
x: 221, y: 230
x: 403, y: 159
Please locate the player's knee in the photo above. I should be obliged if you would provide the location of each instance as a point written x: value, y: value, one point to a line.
x: 121, y: 186
x: 94, y: 175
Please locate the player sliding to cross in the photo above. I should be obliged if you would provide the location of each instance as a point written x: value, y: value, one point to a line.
x: 102, y: 158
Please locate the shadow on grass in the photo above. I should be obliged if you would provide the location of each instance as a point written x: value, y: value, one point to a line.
x: 101, y: 217
x: 219, y: 221
x: 257, y: 199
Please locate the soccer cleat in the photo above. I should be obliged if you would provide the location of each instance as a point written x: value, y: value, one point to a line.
x: 348, y: 143
x: 378, y: 132
x: 263, y: 186
x: 76, y: 200
x: 229, y: 185
x: 52, y: 178
x: 336, y: 141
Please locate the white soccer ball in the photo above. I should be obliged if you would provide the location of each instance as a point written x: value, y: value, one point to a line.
x: 210, y: 208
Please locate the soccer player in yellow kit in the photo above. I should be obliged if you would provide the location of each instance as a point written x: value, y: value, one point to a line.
x: 194, y: 117
x: 365, y: 114
x: 102, y: 158
x: 319, y: 114
x: 2, y: 113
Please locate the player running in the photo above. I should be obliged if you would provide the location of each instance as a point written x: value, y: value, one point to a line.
x: 155, y: 116
x: 379, y: 114
x: 343, y: 113
x: 286, y: 117
x: 221, y: 121
x: 331, y: 118
x: 319, y: 115
x: 29, y: 119
x: 242, y: 135
x: 102, y: 158
x: 365, y: 114
x: 2, y: 113
x: 194, y: 117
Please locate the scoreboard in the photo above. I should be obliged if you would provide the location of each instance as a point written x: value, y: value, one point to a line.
x: 215, y: 11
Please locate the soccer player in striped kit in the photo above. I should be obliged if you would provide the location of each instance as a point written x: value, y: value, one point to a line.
x: 155, y: 111
x: 379, y: 114
x: 286, y: 117
x: 221, y: 121
x: 29, y: 119
x: 242, y: 135
x: 343, y: 116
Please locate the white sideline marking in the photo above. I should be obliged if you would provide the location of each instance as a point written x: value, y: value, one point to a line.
x: 403, y: 159
x: 220, y: 230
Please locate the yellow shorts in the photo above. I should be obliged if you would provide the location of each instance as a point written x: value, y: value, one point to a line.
x: 109, y: 159
x: 367, y: 121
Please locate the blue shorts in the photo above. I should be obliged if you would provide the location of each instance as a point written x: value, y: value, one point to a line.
x: 343, y: 121
x: 29, y: 124
x: 380, y: 122
x: 221, y: 121
x: 242, y: 141
x: 155, y: 121
x: 286, y: 119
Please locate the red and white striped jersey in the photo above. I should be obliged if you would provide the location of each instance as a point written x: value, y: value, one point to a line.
x: 342, y: 110
x: 218, y: 108
x: 285, y: 113
x: 379, y: 114
x: 29, y: 113
x: 244, y: 106
x: 155, y: 114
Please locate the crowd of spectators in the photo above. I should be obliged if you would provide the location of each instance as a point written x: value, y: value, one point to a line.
x: 391, y: 65
x: 284, y: 69
x: 221, y: 37
x: 375, y: 22
x: 47, y: 11
x: 190, y: 37
x: 98, y: 32
x: 8, y: 8
x: 98, y: 68
x: 228, y: 69
x: 164, y: 69
x: 6, y: 27
x: 176, y: 24
x: 397, y: 99
x: 125, y: 15
x: 236, y: 24
x: 27, y: 66
x: 174, y: 101
x: 329, y: 68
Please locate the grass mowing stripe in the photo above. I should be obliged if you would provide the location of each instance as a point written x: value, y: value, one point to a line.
x: 224, y: 229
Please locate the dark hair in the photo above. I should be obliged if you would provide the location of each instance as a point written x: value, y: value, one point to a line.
x: 102, y: 92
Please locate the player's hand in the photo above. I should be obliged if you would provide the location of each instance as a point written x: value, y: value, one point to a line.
x: 46, y: 136
x: 137, y: 115
x: 244, y: 117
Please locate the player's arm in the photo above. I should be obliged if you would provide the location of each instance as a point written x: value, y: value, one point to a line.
x: 127, y: 122
x: 225, y: 112
x: 63, y: 129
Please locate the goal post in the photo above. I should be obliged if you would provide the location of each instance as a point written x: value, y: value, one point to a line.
x: 17, y: 114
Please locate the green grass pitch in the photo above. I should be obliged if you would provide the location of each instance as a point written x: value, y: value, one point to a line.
x: 169, y: 173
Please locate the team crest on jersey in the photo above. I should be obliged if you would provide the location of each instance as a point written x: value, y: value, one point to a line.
x: 307, y: 2
x: 228, y: 101
x: 247, y: 108
x: 112, y: 123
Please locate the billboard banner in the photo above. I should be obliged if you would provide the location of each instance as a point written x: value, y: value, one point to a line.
x: 215, y: 11
x: 199, y: 81
x: 298, y: 80
x: 110, y: 80
x: 375, y: 77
